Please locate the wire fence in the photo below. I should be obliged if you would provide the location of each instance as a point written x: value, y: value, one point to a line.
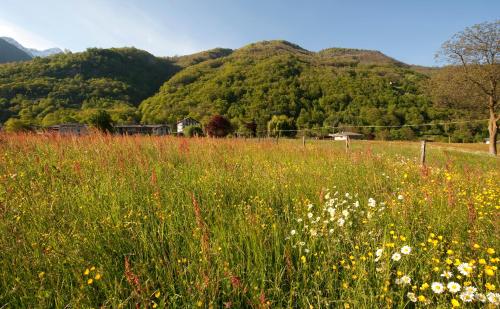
x: 331, y: 128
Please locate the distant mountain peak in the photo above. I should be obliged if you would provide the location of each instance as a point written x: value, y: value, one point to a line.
x: 32, y: 51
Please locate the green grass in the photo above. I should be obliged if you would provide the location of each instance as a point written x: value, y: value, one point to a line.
x: 174, y: 222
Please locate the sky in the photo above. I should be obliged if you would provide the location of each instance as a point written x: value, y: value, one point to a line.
x: 408, y: 30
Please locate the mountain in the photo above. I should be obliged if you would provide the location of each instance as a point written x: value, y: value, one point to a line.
x: 33, y: 52
x: 313, y: 89
x: 10, y: 53
x: 67, y: 87
x: 258, y: 83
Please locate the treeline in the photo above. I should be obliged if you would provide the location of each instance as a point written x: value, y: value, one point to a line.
x: 251, y: 85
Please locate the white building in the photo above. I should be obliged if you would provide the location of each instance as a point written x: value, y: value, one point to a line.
x: 342, y: 136
x: 186, y: 122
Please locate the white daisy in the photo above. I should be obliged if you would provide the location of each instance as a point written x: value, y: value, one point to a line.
x: 493, y: 298
x: 293, y: 232
x: 465, y: 269
x: 447, y: 274
x: 310, y: 215
x: 396, y: 257
x: 437, y: 287
x: 340, y: 222
x: 411, y: 296
x: 400, y: 197
x: 466, y: 297
x: 372, y: 202
x: 453, y: 287
x: 406, y: 249
x: 379, y: 252
x: 481, y: 297
x: 470, y: 289
x: 405, y: 280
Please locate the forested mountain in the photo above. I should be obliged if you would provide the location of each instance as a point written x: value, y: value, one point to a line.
x: 333, y: 87
x: 310, y: 90
x: 10, y: 53
x: 67, y: 87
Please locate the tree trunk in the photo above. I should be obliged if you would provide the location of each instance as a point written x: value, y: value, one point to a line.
x: 493, y: 129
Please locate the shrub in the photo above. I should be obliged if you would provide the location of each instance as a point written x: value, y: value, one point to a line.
x: 218, y: 126
x: 191, y: 131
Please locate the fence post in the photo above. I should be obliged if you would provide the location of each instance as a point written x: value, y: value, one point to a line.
x: 422, y: 152
x: 347, y: 143
x: 304, y: 141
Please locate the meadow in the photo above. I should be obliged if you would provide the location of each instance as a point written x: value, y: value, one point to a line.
x: 153, y: 222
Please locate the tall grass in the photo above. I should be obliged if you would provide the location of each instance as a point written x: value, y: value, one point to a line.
x: 171, y: 222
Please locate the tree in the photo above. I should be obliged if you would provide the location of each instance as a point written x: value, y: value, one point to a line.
x: 102, y: 121
x: 475, y: 53
x: 218, y: 126
x: 282, y: 126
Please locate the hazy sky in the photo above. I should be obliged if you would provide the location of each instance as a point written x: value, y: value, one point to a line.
x: 408, y: 30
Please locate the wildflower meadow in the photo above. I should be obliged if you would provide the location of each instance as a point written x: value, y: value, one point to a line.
x: 155, y: 222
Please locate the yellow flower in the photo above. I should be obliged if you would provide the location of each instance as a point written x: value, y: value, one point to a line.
x: 482, y: 261
x: 154, y: 305
x: 157, y: 294
x: 97, y: 276
x: 41, y: 274
x: 199, y: 303
x: 449, y: 252
x: 455, y: 303
x: 86, y: 272
x: 421, y: 298
x: 303, y: 259
x: 90, y: 281
x: 424, y: 286
x: 489, y: 286
x: 490, y: 251
x: 92, y: 268
x: 489, y: 271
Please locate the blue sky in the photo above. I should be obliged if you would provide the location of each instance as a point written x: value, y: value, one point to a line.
x: 408, y: 30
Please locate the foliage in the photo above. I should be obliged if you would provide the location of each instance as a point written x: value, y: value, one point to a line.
x: 281, y: 126
x: 45, y: 90
x: 102, y: 121
x: 218, y: 126
x: 476, y: 52
x: 15, y: 125
x: 192, y: 131
x: 181, y: 223
x: 314, y: 89
x: 334, y: 87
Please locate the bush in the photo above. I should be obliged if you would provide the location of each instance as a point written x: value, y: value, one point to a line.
x: 191, y: 131
x: 16, y: 125
x: 218, y: 126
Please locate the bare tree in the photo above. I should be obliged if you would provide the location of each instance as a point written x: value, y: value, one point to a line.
x: 476, y: 51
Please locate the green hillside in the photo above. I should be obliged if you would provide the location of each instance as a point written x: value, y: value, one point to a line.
x: 329, y: 88
x: 307, y: 90
x: 10, y: 53
x: 67, y: 87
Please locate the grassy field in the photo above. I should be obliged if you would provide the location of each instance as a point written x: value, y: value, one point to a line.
x: 152, y: 222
